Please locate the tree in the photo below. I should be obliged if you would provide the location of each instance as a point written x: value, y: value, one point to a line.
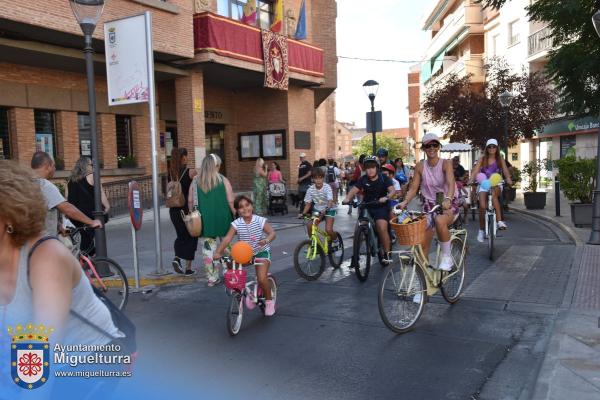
x: 574, y: 66
x: 365, y: 146
x: 473, y: 113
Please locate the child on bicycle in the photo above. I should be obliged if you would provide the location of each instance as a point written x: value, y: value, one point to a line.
x: 319, y: 198
x: 259, y: 234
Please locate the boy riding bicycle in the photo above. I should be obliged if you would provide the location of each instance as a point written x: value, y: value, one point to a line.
x: 319, y: 198
x: 259, y: 234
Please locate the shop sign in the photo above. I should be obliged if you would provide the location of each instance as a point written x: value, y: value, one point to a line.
x: 217, y: 117
x: 570, y: 126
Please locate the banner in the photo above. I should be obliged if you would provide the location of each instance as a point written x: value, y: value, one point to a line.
x: 301, y: 26
x: 278, y: 18
x: 126, y: 60
x: 275, y: 53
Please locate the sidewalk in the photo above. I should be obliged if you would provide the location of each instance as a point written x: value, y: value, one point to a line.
x: 571, y: 367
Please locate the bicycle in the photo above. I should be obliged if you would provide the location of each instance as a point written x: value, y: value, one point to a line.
x: 491, y: 226
x: 104, y: 273
x: 405, y: 286
x: 239, y: 289
x: 366, y: 242
x: 315, y: 249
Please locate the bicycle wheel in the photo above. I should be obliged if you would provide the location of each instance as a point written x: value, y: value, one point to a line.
x: 452, y: 286
x: 309, y: 262
x: 108, y: 277
x: 336, y: 261
x: 273, y: 285
x: 361, y: 259
x: 490, y: 233
x: 402, y: 296
x: 235, y: 313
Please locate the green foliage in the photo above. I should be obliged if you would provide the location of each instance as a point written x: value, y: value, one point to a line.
x: 573, y: 65
x: 61, y: 188
x: 577, y: 178
x: 515, y: 175
x: 532, y: 169
x: 365, y: 146
x: 59, y: 163
x: 126, y: 161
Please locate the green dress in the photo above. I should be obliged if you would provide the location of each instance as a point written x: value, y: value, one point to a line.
x: 216, y: 214
x: 259, y: 188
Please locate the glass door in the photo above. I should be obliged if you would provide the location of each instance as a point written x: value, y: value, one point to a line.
x: 215, y: 143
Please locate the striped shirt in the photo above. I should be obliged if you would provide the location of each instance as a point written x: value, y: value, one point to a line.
x: 252, y: 232
x: 319, y: 197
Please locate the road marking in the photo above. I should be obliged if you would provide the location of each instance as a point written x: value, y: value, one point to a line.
x: 502, y: 278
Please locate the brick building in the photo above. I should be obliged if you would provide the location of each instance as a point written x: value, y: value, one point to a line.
x: 210, y: 94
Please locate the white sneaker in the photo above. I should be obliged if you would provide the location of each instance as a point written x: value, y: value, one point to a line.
x: 446, y: 263
x: 501, y: 225
x: 417, y: 298
x: 481, y: 236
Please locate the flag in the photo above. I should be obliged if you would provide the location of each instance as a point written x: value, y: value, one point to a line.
x: 278, y: 21
x: 301, y: 26
x: 249, y: 15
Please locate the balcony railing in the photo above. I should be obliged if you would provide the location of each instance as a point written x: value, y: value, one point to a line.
x: 118, y: 191
x: 539, y: 41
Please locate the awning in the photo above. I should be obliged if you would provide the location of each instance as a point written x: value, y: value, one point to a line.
x: 456, y: 148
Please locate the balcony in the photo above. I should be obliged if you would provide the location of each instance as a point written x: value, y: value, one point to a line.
x: 222, y: 40
x: 539, y: 42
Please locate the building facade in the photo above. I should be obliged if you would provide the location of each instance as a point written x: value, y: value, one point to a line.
x: 210, y: 90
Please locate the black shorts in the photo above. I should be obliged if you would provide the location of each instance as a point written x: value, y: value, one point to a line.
x: 379, y: 213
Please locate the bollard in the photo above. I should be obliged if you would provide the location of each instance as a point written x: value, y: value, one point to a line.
x: 557, y: 195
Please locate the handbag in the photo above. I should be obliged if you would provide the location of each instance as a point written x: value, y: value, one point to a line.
x: 175, y: 197
x: 193, y: 220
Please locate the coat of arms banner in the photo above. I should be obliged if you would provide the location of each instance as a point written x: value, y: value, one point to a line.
x: 275, y: 52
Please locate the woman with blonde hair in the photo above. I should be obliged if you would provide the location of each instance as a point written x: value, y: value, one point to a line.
x: 211, y: 192
x: 259, y: 187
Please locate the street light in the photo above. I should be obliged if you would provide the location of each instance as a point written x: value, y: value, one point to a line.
x: 595, y: 234
x: 425, y: 126
x: 87, y: 13
x: 371, y: 87
x: 506, y: 99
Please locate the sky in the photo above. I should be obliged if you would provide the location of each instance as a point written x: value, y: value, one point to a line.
x: 380, y: 29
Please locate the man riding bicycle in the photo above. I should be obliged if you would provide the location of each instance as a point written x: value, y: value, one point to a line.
x: 376, y: 188
x: 435, y: 175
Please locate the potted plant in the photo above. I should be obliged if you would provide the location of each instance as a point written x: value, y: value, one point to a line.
x: 126, y: 161
x: 534, y: 200
x: 59, y: 163
x: 577, y: 181
x: 515, y: 176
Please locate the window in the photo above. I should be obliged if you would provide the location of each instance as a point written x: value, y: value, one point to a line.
x: 124, y: 137
x: 566, y: 143
x: 234, y: 9
x: 85, y: 134
x: 513, y: 33
x: 495, y: 41
x: 4, y: 135
x: 45, y: 132
x: 269, y: 145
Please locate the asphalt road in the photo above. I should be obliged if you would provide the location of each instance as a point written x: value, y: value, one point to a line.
x: 327, y: 340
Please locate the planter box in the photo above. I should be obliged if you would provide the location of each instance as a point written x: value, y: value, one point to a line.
x: 511, y: 193
x: 534, y: 200
x: 581, y: 215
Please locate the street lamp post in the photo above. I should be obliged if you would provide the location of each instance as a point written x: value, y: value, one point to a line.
x: 425, y: 126
x: 87, y: 13
x: 595, y: 234
x: 371, y: 87
x: 506, y: 99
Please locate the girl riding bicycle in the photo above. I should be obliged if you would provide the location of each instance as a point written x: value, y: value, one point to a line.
x: 491, y: 162
x: 435, y: 175
x: 259, y: 234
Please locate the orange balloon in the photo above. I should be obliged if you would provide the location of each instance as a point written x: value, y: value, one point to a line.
x: 241, y: 252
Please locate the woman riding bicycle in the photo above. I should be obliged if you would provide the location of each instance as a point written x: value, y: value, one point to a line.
x: 491, y: 162
x: 378, y: 189
x: 435, y: 175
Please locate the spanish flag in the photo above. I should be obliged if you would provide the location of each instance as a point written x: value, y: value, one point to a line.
x: 278, y: 21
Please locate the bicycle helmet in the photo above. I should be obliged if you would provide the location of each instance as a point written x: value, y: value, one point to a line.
x: 390, y: 168
x: 382, y: 152
x: 371, y: 159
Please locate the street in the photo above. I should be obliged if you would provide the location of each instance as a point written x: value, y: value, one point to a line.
x: 327, y: 339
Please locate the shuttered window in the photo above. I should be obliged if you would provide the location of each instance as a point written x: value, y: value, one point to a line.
x: 124, y: 136
x: 5, y: 153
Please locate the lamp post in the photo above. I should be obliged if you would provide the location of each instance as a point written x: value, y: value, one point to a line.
x: 87, y: 13
x: 506, y: 99
x: 595, y: 234
x: 425, y: 127
x: 371, y: 87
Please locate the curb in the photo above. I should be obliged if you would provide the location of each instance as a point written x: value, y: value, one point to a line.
x: 565, y: 228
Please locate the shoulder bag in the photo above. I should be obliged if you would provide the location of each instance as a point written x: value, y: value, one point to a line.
x: 175, y: 197
x: 193, y: 220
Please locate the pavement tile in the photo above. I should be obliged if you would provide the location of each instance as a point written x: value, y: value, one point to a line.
x: 587, y: 291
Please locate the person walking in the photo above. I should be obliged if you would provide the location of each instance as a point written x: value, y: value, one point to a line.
x: 259, y: 187
x: 80, y: 193
x: 185, y: 245
x: 304, y: 178
x: 213, y: 195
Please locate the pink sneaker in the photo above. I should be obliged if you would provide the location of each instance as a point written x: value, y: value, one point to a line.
x: 269, y: 308
x: 249, y: 300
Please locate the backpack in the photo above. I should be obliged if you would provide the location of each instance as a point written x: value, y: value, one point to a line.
x: 175, y: 197
x: 330, y: 175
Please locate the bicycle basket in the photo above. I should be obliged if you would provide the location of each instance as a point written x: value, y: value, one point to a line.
x: 410, y: 234
x: 235, y: 279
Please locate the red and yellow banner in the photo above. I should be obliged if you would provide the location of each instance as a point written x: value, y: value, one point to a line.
x: 278, y: 19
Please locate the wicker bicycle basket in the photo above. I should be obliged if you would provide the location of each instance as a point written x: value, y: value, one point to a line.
x: 410, y: 234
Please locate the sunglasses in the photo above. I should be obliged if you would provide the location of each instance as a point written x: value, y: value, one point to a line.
x: 492, y: 146
x: 434, y: 145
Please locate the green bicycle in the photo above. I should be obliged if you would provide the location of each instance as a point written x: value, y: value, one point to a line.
x: 309, y: 255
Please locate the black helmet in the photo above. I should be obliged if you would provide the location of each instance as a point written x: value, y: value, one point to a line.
x: 369, y: 159
x: 382, y: 152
